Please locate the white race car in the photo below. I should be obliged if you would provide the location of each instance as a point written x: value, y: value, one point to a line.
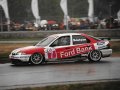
x: 58, y: 47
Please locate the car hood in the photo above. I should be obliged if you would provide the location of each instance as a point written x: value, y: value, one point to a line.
x: 29, y: 49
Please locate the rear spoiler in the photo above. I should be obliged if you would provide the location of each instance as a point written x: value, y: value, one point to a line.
x: 104, y: 38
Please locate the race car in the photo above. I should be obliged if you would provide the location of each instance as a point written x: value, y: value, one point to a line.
x: 60, y: 47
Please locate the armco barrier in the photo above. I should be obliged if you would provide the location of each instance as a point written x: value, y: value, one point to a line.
x: 112, y: 33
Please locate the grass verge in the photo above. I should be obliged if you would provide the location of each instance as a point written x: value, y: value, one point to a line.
x: 111, y: 85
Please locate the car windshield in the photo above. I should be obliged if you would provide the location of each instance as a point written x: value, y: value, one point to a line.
x: 46, y: 41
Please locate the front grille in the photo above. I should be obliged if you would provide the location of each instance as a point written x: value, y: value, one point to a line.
x: 14, y: 53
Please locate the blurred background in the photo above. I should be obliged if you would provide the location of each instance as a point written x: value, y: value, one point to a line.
x: 20, y: 13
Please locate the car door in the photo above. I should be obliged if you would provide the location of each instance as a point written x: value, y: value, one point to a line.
x: 81, y: 44
x: 62, y: 47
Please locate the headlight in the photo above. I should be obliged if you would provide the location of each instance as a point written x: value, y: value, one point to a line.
x: 20, y: 53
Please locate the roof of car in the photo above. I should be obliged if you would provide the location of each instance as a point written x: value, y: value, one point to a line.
x: 65, y: 34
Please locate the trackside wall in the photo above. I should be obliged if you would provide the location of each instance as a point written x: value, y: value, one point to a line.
x: 41, y: 34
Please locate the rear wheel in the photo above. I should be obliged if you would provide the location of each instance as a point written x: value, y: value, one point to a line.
x: 95, y: 56
x: 36, y: 58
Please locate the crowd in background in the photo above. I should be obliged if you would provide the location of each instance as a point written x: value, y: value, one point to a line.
x: 73, y: 24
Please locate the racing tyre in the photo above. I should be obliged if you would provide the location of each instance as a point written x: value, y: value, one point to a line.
x: 95, y: 56
x: 36, y: 59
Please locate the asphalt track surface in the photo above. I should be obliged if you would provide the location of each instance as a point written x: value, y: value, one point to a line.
x: 64, y: 72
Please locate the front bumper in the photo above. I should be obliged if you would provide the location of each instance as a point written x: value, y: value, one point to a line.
x: 22, y: 58
x: 106, y: 52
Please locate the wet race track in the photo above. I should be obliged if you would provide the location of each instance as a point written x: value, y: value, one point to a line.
x: 11, y: 76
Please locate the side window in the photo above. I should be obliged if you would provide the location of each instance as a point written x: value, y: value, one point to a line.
x: 77, y: 39
x: 62, y: 41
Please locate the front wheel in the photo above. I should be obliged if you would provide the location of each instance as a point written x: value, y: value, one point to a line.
x: 95, y: 56
x: 36, y: 58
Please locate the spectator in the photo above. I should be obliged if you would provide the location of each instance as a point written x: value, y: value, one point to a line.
x: 83, y: 24
x: 109, y: 22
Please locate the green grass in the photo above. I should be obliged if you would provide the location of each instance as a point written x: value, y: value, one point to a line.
x: 112, y: 85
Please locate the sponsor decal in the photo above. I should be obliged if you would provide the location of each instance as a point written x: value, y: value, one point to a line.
x: 67, y: 53
x: 77, y: 40
x: 101, y: 45
x: 50, y: 53
x: 12, y: 57
x: 75, y: 51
